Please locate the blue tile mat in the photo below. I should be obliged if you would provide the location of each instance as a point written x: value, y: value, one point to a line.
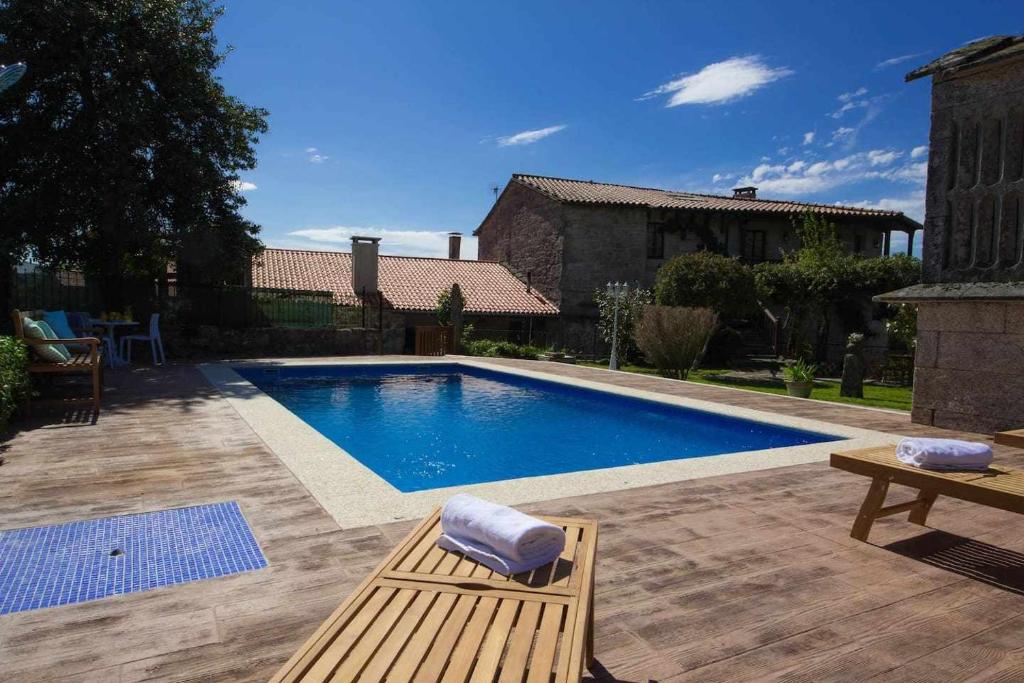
x: 78, y: 561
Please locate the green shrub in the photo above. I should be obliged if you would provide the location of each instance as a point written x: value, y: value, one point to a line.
x: 630, y: 308
x: 672, y: 337
x: 500, y: 349
x: 14, y: 381
x: 704, y: 279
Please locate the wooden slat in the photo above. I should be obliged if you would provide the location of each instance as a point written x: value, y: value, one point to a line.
x: 516, y: 659
x: 378, y: 666
x: 490, y: 653
x: 437, y: 657
x: 328, y: 658
x: 572, y: 537
x: 423, y: 637
x: 473, y: 583
x: 463, y: 655
x: 529, y: 596
x: 547, y: 640
x: 373, y: 637
x: 1013, y: 438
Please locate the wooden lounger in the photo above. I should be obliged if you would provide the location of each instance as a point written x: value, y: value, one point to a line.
x: 428, y: 615
x: 996, y: 487
x: 1013, y: 438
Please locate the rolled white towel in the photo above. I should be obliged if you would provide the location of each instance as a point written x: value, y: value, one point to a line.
x: 497, y: 536
x: 944, y: 454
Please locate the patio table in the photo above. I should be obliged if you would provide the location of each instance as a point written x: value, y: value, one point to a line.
x: 110, y: 327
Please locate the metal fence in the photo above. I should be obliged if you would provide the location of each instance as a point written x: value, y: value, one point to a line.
x: 191, y: 304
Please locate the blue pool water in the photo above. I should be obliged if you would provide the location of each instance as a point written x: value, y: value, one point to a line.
x: 428, y: 426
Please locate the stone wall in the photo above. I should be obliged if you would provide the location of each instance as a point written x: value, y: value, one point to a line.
x: 203, y: 342
x: 970, y: 365
x: 524, y: 231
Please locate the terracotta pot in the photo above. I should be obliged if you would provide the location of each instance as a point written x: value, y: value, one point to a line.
x: 800, y: 389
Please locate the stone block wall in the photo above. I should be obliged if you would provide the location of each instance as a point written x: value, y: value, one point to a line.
x: 969, y: 370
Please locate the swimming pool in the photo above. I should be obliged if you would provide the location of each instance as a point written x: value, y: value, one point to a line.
x: 426, y: 426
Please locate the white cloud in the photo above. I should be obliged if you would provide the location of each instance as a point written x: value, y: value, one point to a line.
x: 393, y: 240
x: 843, y: 134
x: 801, y: 177
x: 808, y: 137
x: 919, y: 152
x: 314, y: 156
x: 243, y: 185
x: 883, y: 157
x: 893, y: 61
x: 911, y: 205
x: 720, y: 82
x: 528, y: 137
x: 849, y: 96
x: 718, y: 177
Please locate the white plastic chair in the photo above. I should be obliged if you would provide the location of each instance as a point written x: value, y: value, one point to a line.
x: 155, y: 343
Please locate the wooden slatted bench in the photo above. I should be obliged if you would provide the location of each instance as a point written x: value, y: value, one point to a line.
x: 996, y: 487
x: 426, y: 614
x: 1014, y: 438
x: 83, y: 362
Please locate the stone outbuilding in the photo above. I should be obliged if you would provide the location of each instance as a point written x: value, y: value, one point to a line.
x: 969, y: 370
x: 570, y: 237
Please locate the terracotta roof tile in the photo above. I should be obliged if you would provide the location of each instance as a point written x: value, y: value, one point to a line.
x: 590, y: 192
x: 408, y: 283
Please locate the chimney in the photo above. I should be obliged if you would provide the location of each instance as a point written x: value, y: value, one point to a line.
x: 744, y: 193
x: 364, y: 264
x: 454, y: 245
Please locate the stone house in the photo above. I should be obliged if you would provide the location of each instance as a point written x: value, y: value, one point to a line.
x: 570, y: 237
x: 969, y: 370
x: 498, y: 304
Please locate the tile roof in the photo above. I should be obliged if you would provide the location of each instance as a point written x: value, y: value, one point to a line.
x: 982, y: 51
x: 408, y: 283
x: 590, y: 192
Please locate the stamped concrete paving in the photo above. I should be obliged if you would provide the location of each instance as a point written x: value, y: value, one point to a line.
x: 732, y: 578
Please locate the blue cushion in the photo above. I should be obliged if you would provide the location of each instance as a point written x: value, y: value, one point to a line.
x: 53, y: 353
x: 58, y: 320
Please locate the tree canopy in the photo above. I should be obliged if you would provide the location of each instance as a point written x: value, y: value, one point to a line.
x: 120, y: 150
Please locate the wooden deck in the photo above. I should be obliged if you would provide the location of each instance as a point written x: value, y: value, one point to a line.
x: 742, y: 577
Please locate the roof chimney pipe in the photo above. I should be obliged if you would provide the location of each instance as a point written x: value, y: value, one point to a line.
x: 454, y: 245
x: 744, y: 192
x: 364, y: 264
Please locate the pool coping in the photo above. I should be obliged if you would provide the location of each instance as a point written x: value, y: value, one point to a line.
x: 356, y: 496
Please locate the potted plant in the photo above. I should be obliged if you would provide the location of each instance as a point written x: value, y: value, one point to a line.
x: 799, y: 377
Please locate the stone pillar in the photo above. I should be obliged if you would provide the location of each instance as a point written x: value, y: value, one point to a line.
x: 910, y: 242
x: 887, y: 237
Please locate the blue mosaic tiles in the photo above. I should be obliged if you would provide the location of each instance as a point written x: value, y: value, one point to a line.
x: 78, y: 561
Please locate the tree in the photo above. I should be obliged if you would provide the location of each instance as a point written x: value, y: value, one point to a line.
x: 446, y: 303
x: 120, y: 150
x: 708, y: 280
x: 631, y: 306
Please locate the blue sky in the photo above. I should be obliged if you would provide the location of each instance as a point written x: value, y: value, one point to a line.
x: 397, y: 118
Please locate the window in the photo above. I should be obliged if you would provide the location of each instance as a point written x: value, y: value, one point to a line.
x: 655, y: 240
x: 753, y: 245
x: 858, y: 244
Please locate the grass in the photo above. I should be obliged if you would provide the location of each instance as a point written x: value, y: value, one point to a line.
x: 893, y: 398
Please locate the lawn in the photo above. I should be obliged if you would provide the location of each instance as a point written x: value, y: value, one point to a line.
x: 894, y: 398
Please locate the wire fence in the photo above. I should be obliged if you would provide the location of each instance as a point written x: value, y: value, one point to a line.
x: 234, y: 306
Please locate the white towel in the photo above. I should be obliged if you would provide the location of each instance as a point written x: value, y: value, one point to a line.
x: 503, y: 539
x: 944, y: 454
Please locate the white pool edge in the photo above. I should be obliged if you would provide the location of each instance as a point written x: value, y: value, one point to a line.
x: 356, y: 496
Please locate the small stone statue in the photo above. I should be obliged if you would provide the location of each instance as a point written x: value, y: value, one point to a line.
x: 854, y: 367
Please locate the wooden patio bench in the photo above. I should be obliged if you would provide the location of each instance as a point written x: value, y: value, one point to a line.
x: 1014, y: 438
x: 426, y: 614
x: 89, y: 361
x: 996, y: 487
